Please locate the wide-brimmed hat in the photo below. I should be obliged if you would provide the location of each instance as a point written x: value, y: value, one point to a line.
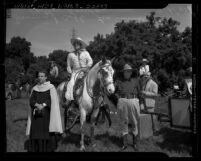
x: 79, y: 40
x: 127, y: 67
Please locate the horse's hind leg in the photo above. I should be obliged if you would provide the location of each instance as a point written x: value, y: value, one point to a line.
x: 93, y: 121
x: 82, y: 122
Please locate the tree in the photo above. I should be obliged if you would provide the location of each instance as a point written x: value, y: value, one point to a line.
x: 42, y: 62
x: 186, y: 37
x: 60, y: 57
x: 20, y: 48
x: 169, y: 52
x: 13, y: 69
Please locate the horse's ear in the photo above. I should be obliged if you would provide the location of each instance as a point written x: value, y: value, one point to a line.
x: 104, y: 60
x: 113, y: 59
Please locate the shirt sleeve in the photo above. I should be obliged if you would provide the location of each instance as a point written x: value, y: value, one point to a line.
x: 89, y: 60
x: 69, y: 70
x: 140, y: 71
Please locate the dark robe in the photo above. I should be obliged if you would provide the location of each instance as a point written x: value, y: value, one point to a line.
x: 41, y: 140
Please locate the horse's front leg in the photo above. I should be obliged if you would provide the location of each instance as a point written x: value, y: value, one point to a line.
x: 93, y: 121
x: 82, y: 122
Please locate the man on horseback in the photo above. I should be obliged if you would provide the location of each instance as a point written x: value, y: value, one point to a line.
x: 78, y: 60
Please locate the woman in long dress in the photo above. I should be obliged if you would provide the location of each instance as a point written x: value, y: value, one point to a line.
x: 44, y: 121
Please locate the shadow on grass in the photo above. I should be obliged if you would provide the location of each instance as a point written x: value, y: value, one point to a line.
x: 114, y: 139
x: 175, y: 140
x: 73, y: 138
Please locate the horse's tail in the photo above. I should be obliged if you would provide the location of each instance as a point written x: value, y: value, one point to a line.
x: 59, y: 91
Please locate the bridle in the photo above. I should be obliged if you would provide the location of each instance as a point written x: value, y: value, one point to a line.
x: 104, y: 83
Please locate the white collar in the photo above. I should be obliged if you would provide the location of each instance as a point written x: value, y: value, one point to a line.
x: 43, y: 87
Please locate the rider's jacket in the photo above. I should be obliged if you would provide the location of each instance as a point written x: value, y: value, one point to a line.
x: 77, y: 60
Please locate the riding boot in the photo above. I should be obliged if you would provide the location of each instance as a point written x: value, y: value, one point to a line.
x: 125, y: 142
x: 135, y: 142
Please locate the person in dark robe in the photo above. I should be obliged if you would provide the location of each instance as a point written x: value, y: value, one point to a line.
x: 44, y: 119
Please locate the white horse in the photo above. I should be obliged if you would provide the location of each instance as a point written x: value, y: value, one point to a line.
x: 101, y: 72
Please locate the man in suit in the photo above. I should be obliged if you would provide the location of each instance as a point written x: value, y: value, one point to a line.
x: 149, y: 92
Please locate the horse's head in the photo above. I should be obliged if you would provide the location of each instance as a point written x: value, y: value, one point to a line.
x: 106, y: 73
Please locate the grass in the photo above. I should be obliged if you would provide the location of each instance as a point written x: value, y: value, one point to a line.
x: 173, y: 142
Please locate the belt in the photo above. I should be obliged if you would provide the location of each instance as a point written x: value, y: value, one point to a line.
x: 128, y: 96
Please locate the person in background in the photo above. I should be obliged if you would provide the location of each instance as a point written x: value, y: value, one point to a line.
x: 187, y: 83
x: 187, y: 90
x: 54, y: 73
x: 44, y: 119
x: 149, y: 92
x: 128, y: 109
x: 144, y: 68
x: 77, y: 60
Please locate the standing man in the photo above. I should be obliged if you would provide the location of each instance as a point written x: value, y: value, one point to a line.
x: 149, y: 92
x: 128, y: 109
x: 187, y: 90
x: 77, y: 60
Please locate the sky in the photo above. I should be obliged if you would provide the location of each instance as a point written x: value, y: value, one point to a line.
x: 51, y: 29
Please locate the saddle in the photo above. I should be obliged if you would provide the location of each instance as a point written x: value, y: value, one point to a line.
x: 78, y: 87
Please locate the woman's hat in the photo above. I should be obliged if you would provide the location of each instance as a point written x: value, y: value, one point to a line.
x: 127, y: 67
x: 79, y: 40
